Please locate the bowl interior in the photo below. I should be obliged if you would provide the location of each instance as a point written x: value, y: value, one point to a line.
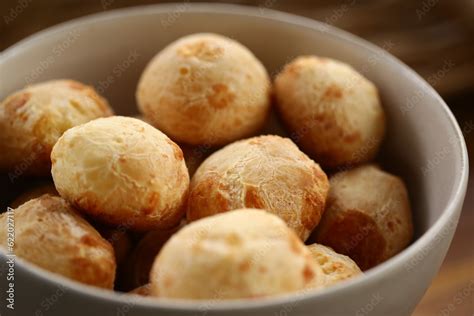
x: 110, y: 53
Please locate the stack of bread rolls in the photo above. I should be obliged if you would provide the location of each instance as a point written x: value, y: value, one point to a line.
x: 238, y: 214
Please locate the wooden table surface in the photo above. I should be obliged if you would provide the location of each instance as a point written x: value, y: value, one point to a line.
x: 452, y: 291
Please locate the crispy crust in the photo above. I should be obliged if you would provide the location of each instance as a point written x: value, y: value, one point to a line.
x: 143, y: 290
x: 332, y: 111
x: 52, y: 235
x: 368, y: 216
x: 335, y: 266
x: 266, y: 172
x: 245, y: 253
x: 122, y: 171
x: 32, y: 120
x: 205, y: 89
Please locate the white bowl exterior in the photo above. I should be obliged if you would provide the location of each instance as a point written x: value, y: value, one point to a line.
x: 94, y: 50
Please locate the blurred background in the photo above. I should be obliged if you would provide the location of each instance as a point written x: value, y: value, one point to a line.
x: 434, y: 37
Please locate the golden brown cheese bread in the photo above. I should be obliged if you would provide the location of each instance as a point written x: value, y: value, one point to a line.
x: 331, y: 110
x: 265, y: 172
x: 32, y: 120
x: 122, y: 171
x: 246, y: 253
x: 52, y: 235
x: 367, y: 217
x: 335, y: 266
x: 143, y: 290
x: 205, y: 89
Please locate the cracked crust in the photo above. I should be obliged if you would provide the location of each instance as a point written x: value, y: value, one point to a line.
x: 367, y: 217
x: 122, y: 171
x: 33, y: 119
x: 335, y: 266
x: 52, y: 235
x: 205, y: 89
x: 332, y: 111
x: 244, y: 253
x: 265, y: 172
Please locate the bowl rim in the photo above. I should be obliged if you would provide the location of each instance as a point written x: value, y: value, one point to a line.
x: 449, y: 215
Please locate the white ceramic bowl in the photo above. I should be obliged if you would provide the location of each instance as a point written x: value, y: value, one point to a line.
x: 424, y: 144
